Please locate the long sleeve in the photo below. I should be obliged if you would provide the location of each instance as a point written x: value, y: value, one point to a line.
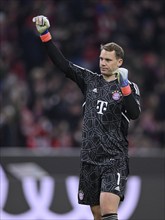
x: 72, y: 71
x: 56, y: 56
x: 132, y: 106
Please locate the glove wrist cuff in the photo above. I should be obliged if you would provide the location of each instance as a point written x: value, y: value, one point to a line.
x: 46, y: 36
x: 45, y: 32
x: 124, y: 83
x: 126, y: 90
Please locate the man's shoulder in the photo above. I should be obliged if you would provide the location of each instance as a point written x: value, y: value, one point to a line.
x: 134, y: 87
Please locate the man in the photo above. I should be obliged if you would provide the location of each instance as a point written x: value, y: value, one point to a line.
x: 110, y: 102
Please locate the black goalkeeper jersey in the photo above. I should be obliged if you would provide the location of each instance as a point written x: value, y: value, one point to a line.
x: 106, y: 112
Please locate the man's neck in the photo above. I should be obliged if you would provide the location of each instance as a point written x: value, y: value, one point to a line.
x: 110, y: 78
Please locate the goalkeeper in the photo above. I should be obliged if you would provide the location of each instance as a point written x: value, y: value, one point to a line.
x: 111, y: 101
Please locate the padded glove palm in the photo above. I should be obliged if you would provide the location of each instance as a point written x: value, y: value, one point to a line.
x: 123, y: 77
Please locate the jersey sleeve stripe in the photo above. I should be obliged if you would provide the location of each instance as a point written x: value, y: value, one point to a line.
x: 125, y: 117
x: 85, y: 69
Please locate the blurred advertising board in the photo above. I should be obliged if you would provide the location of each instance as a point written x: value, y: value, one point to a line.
x: 44, y: 187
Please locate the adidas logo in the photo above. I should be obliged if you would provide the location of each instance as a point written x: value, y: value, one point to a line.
x: 117, y: 188
x: 95, y: 90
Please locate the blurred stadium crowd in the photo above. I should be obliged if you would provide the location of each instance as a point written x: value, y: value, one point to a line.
x: 42, y: 109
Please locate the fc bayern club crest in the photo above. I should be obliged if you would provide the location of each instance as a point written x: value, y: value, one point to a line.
x: 116, y: 95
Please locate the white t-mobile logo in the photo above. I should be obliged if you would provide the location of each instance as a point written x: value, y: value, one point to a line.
x: 102, y: 106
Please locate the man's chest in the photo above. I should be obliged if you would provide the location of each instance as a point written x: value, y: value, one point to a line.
x: 104, y: 97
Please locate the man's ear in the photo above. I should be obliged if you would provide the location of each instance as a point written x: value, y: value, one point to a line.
x: 120, y: 62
